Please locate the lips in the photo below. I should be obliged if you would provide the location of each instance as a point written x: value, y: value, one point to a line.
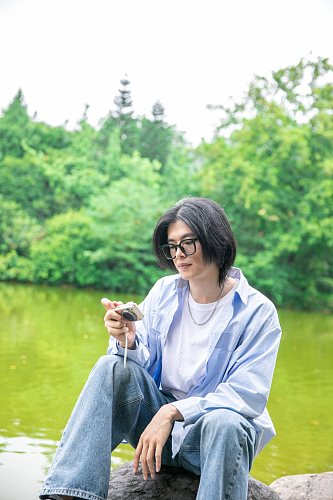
x: 182, y: 267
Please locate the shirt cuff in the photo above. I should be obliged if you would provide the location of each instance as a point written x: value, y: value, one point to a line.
x: 140, y: 354
x: 189, y: 408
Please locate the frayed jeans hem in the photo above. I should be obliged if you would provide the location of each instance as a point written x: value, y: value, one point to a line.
x: 69, y: 492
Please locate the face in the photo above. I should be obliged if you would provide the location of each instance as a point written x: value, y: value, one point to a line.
x: 191, y: 267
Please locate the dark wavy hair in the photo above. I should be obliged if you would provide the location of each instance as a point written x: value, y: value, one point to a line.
x: 210, y: 225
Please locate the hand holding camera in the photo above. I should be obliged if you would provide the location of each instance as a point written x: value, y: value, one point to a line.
x: 129, y: 311
x: 120, y: 320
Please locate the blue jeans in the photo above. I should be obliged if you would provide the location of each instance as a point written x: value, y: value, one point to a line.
x: 118, y: 403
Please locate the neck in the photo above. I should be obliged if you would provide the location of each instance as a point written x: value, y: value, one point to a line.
x: 205, y: 292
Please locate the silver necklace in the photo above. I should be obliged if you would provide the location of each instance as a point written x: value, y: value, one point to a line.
x: 211, y: 314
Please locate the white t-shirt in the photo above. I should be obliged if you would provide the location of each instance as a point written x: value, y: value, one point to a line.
x: 187, y: 343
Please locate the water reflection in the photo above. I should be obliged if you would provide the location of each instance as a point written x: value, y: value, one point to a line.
x: 50, y: 339
x: 23, y: 462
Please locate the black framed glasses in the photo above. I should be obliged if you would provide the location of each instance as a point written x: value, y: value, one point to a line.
x: 186, y: 246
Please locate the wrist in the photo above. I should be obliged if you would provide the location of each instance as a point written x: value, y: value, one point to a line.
x: 131, y: 344
x: 173, y: 413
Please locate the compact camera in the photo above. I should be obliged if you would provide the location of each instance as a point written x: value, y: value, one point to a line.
x: 129, y: 311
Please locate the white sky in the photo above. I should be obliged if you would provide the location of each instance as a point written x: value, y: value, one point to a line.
x: 186, y: 53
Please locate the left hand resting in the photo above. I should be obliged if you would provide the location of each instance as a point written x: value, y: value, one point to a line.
x: 152, y: 440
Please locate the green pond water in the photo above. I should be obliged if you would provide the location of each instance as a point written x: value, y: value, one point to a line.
x: 51, y: 337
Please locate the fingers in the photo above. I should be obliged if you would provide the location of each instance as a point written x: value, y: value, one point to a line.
x: 151, y: 461
x: 113, y: 316
x: 158, y: 458
x: 106, y: 303
x: 114, y: 320
x: 117, y: 326
x: 137, y: 457
x: 117, y: 329
x: 145, y: 453
x: 109, y: 304
x: 144, y: 463
x: 152, y: 441
x: 149, y: 453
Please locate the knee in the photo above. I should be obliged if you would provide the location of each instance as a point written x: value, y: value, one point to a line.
x: 227, y: 432
x: 109, y: 372
x: 113, y: 366
x: 107, y: 360
x: 106, y: 364
x: 226, y: 423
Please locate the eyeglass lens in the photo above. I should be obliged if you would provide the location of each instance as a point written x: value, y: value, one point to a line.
x: 186, y: 246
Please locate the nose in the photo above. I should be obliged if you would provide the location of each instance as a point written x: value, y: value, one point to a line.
x: 179, y: 253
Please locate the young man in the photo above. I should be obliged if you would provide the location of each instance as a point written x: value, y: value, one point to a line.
x: 194, y: 389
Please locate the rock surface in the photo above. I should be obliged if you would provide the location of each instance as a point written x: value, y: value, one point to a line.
x: 170, y: 484
x: 305, y: 487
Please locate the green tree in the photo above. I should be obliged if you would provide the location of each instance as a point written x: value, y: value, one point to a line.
x: 18, y: 131
x: 124, y: 216
x: 17, y: 230
x: 272, y: 171
x: 156, y: 136
x: 25, y: 180
x: 60, y: 191
x: 14, y: 127
x: 124, y: 101
x: 62, y: 254
x: 124, y: 120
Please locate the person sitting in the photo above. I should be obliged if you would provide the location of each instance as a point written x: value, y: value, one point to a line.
x: 199, y: 367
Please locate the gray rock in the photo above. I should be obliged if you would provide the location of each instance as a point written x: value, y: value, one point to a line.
x: 170, y: 484
x: 260, y: 491
x: 305, y: 487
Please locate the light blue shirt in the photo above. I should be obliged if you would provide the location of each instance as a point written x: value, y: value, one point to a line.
x: 241, y: 357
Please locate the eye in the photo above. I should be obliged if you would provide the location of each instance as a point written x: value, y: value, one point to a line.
x: 187, y: 243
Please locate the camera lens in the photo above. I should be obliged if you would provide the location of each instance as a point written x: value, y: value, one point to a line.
x: 129, y: 315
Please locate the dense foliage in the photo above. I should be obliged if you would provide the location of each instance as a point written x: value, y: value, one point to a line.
x: 79, y: 206
x: 274, y: 175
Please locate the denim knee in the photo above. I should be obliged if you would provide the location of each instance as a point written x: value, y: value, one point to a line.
x: 106, y: 367
x: 223, y: 422
x: 109, y: 362
x: 106, y: 360
x: 110, y: 368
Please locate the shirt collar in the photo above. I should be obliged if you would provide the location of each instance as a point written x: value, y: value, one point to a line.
x: 180, y: 283
x: 243, y: 287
